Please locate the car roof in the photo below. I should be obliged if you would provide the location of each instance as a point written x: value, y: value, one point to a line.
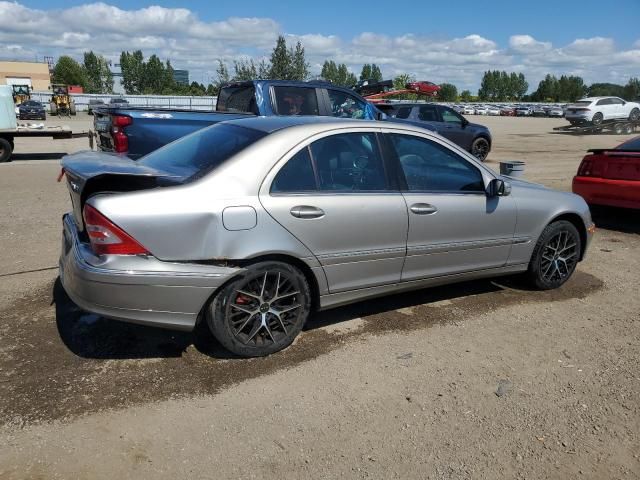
x: 593, y: 99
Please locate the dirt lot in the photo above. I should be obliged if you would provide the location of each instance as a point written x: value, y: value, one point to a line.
x: 402, y: 387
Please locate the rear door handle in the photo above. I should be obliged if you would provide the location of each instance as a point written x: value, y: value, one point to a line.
x: 423, y: 209
x: 306, y: 211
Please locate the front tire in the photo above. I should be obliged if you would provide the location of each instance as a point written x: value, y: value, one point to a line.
x: 261, y: 311
x: 555, y: 255
x: 480, y: 148
x: 6, y: 149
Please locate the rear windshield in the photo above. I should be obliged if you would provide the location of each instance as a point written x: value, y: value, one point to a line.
x: 238, y: 99
x: 633, y: 144
x: 197, y: 154
x: 584, y: 103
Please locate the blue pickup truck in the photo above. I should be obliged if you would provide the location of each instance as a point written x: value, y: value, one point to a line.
x: 136, y: 131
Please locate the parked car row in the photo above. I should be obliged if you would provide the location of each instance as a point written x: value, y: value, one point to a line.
x: 511, y: 110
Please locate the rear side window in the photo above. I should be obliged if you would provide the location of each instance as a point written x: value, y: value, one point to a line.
x: 197, y: 154
x: 349, y: 162
x: 403, y: 112
x: 296, y: 176
x: 237, y: 98
x: 604, y: 101
x: 431, y: 167
x: 296, y: 101
x: 428, y: 113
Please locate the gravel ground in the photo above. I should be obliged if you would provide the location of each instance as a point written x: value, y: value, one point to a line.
x: 479, y: 380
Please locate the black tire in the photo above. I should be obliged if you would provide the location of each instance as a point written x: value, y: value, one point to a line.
x: 480, y: 148
x: 634, y: 115
x: 618, y: 128
x: 628, y: 128
x: 6, y: 149
x: 597, y: 119
x: 548, y: 268
x: 243, y: 315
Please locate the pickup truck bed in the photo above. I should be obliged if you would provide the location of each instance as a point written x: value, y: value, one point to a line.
x: 148, y: 129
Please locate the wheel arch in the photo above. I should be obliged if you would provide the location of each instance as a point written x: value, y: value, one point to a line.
x: 577, y: 222
x: 311, y: 278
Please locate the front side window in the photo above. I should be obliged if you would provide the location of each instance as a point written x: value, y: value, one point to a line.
x: 349, y: 162
x: 429, y: 166
x: 344, y: 105
x: 296, y: 101
x: 449, y: 116
x: 296, y: 176
x: 615, y: 101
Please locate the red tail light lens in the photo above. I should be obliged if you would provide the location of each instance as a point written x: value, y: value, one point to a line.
x: 107, y: 238
x: 585, y: 167
x: 120, y: 139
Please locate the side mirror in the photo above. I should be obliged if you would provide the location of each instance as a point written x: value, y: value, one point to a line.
x: 498, y: 188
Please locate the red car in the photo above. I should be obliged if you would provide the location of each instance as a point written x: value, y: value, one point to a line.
x: 508, y: 112
x: 611, y: 177
x: 428, y: 88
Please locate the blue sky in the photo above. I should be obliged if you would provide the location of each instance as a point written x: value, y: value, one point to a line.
x: 443, y: 41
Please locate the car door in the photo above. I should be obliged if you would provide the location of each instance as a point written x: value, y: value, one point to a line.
x: 454, y: 227
x: 605, y: 107
x: 333, y: 194
x: 618, y: 109
x: 453, y: 128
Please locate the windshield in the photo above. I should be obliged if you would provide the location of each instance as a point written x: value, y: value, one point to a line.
x: 197, y: 154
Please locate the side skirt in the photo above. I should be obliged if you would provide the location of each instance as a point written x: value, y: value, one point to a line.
x: 344, y: 298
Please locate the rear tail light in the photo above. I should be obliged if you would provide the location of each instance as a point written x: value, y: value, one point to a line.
x: 107, y: 238
x: 120, y: 139
x: 585, y: 167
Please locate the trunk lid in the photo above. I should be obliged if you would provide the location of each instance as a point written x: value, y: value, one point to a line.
x: 612, y: 164
x: 89, y: 173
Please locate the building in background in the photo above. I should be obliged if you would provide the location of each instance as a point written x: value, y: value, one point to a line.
x: 34, y: 74
x: 181, y: 77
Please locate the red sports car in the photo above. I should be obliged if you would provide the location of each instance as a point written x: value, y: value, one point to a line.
x: 611, y: 177
x: 428, y: 88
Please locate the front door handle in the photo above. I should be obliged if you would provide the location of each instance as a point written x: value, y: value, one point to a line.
x: 306, y: 211
x: 423, y: 209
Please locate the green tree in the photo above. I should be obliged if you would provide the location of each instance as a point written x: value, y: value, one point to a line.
x: 69, y: 72
x: 329, y: 71
x: 365, y: 74
x: 448, y: 92
x: 465, y: 96
x: 632, y: 90
x: 244, y: 70
x: 522, y: 87
x: 299, y: 65
x: 606, y: 90
x: 132, y: 68
x: 376, y: 74
x: 280, y: 61
x: 223, y: 74
x: 548, y: 89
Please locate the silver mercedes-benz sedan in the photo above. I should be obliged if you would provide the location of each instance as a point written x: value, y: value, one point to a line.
x: 250, y: 225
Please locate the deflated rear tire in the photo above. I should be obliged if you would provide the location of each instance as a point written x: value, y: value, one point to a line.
x: 555, y: 255
x: 261, y: 311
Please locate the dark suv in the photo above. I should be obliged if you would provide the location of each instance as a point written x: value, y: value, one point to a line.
x: 474, y: 138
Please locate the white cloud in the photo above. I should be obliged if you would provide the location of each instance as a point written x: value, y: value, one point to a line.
x: 526, y: 44
x: 189, y: 42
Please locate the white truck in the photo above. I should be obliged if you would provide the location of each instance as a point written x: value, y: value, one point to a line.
x: 9, y: 128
